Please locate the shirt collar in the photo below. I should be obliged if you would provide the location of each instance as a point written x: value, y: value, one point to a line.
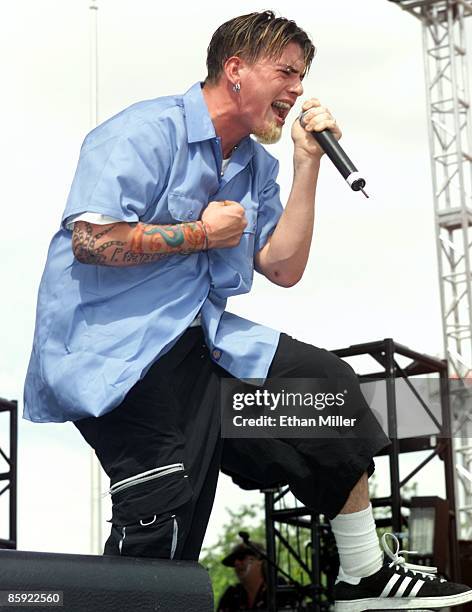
x: 200, y: 127
x: 199, y: 124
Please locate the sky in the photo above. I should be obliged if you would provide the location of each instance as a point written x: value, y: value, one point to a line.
x: 372, y: 272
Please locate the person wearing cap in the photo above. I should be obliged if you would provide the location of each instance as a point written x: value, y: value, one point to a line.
x: 251, y: 591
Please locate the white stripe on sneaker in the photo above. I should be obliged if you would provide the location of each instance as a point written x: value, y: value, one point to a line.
x: 416, y: 588
x: 390, y: 584
x: 406, y: 581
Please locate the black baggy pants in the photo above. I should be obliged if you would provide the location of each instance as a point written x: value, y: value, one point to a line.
x: 162, y: 449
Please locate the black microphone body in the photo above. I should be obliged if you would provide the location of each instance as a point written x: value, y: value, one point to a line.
x: 338, y: 156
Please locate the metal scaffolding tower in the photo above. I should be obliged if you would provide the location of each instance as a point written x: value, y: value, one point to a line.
x: 449, y: 119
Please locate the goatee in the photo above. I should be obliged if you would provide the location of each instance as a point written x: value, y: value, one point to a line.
x: 269, y: 135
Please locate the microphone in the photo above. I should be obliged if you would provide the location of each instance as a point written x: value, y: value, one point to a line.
x: 338, y: 156
x: 244, y: 536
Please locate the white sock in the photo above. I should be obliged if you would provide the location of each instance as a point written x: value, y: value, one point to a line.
x: 358, y: 545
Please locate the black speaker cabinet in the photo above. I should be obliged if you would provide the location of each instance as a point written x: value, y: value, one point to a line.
x: 86, y: 583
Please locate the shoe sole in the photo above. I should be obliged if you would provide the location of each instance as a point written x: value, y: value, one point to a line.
x: 403, y: 603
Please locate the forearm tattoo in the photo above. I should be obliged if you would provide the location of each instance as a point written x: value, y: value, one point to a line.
x: 128, y: 244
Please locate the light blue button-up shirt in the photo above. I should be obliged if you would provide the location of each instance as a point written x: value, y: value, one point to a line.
x: 99, y: 328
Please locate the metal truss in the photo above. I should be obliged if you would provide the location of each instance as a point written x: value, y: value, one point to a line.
x: 297, y: 535
x: 8, y: 478
x: 449, y: 119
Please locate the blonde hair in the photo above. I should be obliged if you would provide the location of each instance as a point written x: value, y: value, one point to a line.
x: 251, y: 36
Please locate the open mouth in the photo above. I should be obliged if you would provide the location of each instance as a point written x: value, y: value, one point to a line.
x: 280, y: 110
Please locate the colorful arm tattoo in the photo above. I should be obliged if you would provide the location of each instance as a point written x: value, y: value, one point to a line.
x: 130, y: 244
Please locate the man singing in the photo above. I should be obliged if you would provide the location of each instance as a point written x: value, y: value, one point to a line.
x: 172, y: 207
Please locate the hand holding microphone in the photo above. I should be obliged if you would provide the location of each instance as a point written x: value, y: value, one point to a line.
x: 332, y: 148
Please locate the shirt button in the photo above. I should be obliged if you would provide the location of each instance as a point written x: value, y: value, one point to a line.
x: 190, y: 214
x: 221, y: 173
x: 216, y: 354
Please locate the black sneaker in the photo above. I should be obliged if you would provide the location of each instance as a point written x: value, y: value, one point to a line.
x: 398, y: 586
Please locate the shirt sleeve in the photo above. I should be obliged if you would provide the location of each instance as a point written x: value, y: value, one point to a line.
x: 96, y: 218
x: 121, y: 171
x: 270, y: 208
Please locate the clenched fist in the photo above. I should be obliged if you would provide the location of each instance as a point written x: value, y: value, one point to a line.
x: 224, y: 224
